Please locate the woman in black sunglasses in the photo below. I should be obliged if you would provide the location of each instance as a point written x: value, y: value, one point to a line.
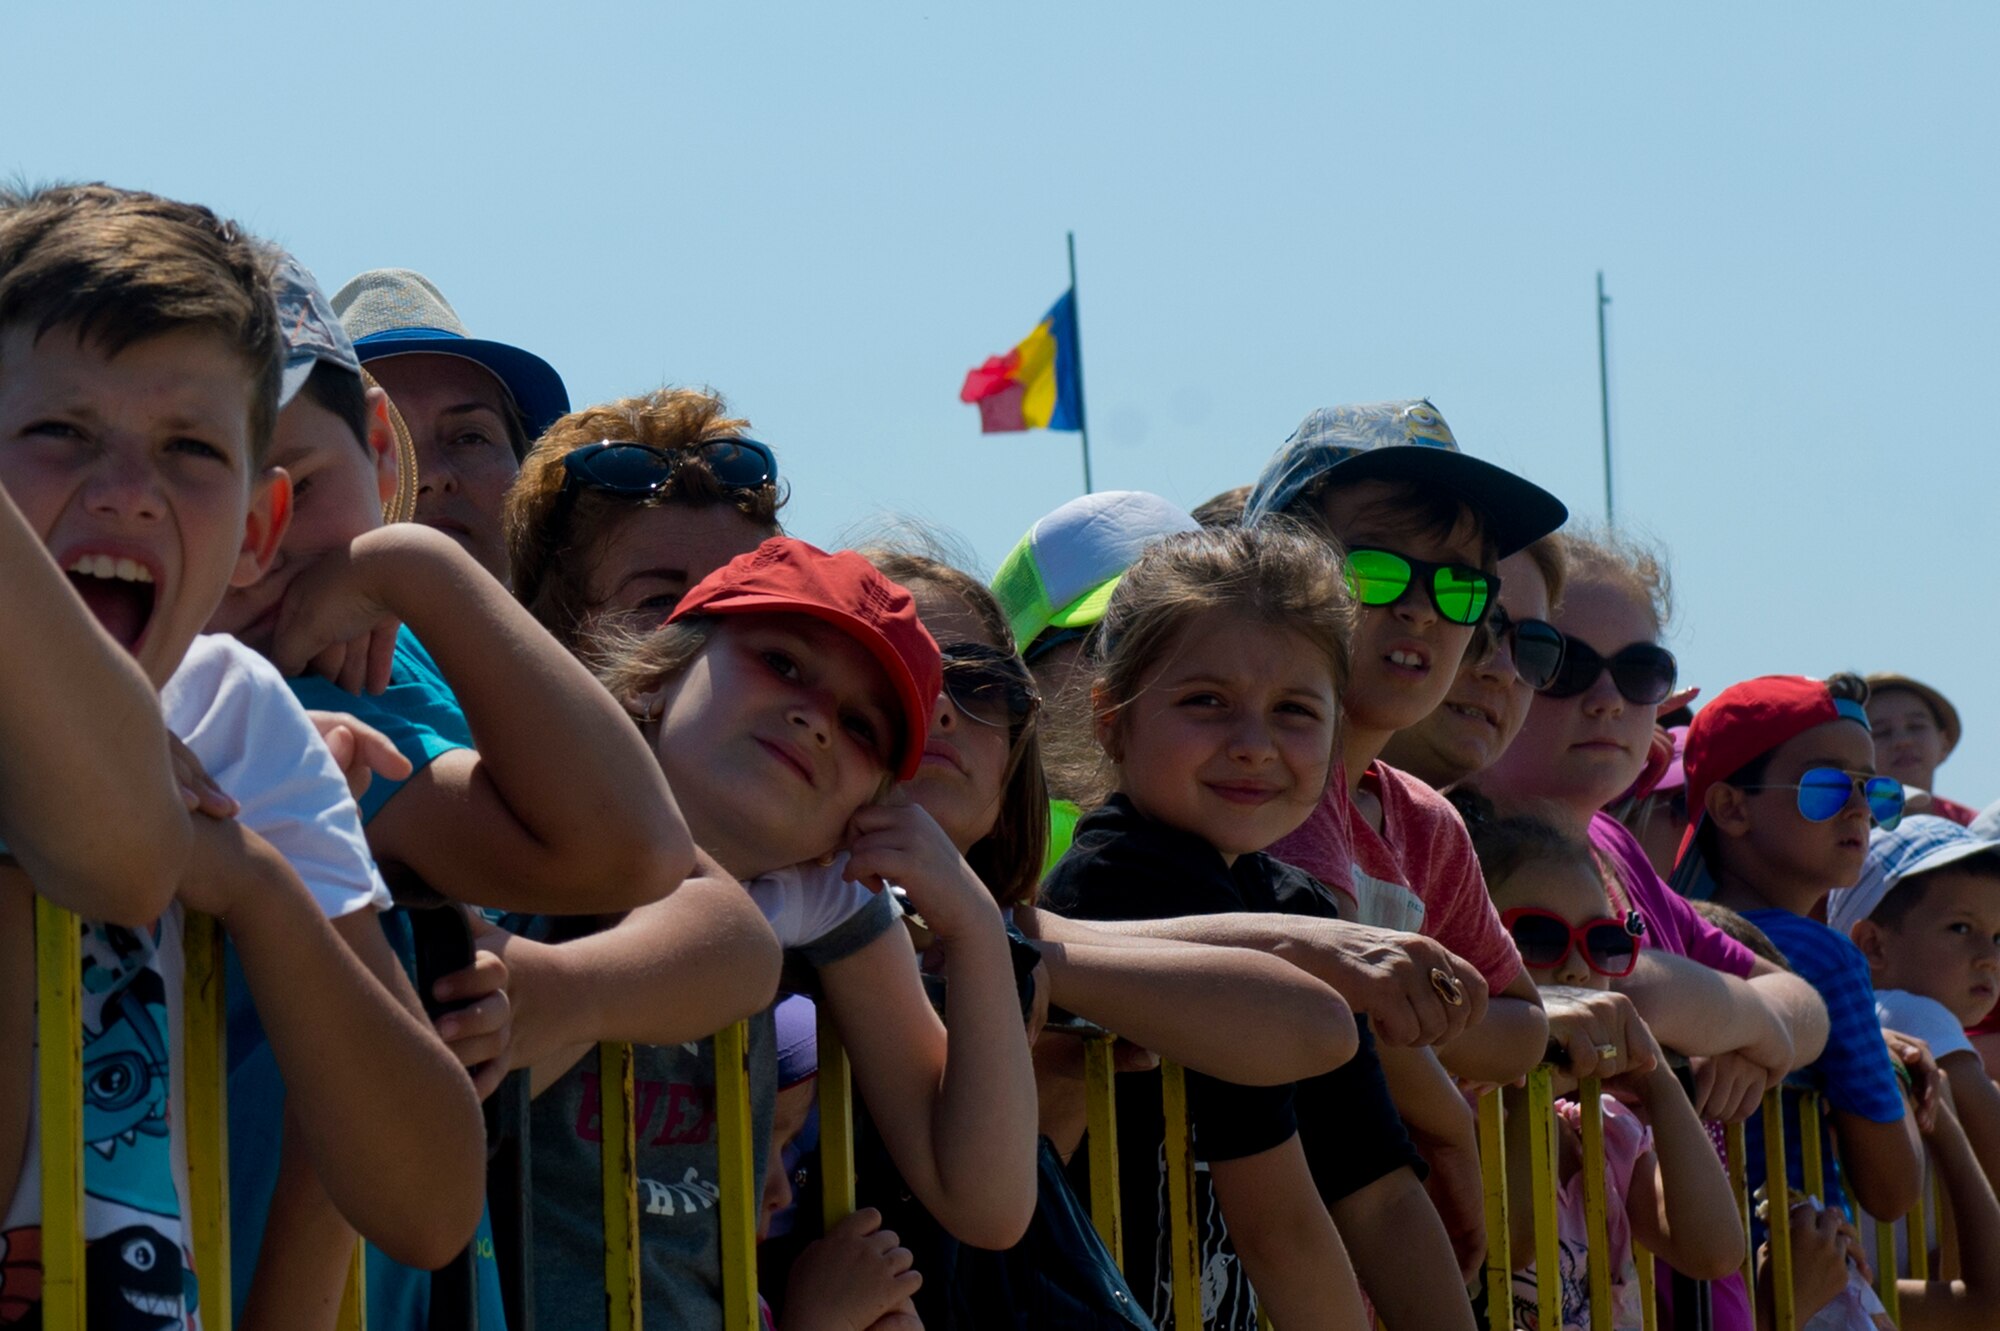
x: 623, y: 506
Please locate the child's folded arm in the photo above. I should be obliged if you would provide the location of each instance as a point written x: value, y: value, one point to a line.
x: 1881, y: 1162
x: 303, y: 1260
x: 1694, y: 1009
x: 1968, y: 1302
x: 672, y: 971
x: 1799, y: 1007
x: 89, y: 804
x: 1196, y: 1005
x: 388, y: 1117
x: 957, y: 1111
x: 561, y: 807
x: 1287, y: 1241
x: 1680, y: 1203
x: 1510, y: 1041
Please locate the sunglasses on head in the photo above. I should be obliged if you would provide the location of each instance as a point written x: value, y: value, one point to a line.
x: 1824, y: 792
x: 1545, y: 940
x: 1644, y: 672
x: 643, y: 471
x: 989, y: 685
x: 1459, y: 593
x: 1536, y: 644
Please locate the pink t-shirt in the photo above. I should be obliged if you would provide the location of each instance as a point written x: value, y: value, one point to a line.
x: 1626, y: 1138
x: 1671, y: 924
x: 1417, y: 874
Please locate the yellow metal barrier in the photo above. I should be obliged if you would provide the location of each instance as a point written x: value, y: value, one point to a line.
x: 618, y: 1154
x: 59, y: 1037
x: 1101, y: 1097
x: 1735, y: 1157
x: 1778, y: 1212
x: 1885, y: 1270
x: 1182, y: 1241
x: 736, y: 1177
x: 354, y: 1295
x: 1811, y: 1166
x: 1649, y: 1292
x: 1493, y: 1166
x: 206, y: 1042
x: 836, y: 1124
x: 1542, y: 1166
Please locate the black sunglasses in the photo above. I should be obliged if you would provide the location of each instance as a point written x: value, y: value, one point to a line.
x: 989, y: 685
x: 1644, y: 672
x: 641, y: 471
x: 1536, y: 644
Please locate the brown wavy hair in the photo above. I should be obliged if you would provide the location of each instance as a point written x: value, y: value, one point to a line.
x: 552, y: 560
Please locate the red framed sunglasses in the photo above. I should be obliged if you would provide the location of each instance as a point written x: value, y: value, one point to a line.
x: 1545, y: 940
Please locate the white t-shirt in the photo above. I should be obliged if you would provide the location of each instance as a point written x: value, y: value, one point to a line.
x: 814, y: 910
x: 1925, y: 1018
x: 237, y: 717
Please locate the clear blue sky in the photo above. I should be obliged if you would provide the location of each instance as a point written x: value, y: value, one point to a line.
x: 830, y: 212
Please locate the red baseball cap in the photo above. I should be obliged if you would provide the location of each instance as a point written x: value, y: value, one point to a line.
x: 1746, y: 721
x: 784, y: 576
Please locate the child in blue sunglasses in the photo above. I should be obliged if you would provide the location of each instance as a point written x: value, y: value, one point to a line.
x: 1782, y: 787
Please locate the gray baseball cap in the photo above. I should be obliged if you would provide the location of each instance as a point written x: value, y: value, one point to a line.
x: 310, y: 329
x: 1402, y: 440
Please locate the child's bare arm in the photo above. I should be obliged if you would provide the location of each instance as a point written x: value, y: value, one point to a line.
x: 17, y: 1024
x: 957, y: 1111
x: 1446, y: 1133
x: 1680, y: 1203
x: 303, y: 1260
x: 1287, y: 1241
x: 1965, y: 1304
x: 562, y: 807
x: 1379, y: 972
x: 1511, y: 1040
x: 387, y: 1116
x: 1977, y: 1101
x: 1402, y: 1255
x: 88, y: 801
x: 678, y: 969
x: 1192, y: 1003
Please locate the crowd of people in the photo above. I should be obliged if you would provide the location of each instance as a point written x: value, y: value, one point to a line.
x: 1357, y: 792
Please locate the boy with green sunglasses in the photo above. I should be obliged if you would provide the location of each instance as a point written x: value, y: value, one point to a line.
x: 1423, y: 528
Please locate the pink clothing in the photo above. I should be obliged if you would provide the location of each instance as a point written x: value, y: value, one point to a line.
x: 1417, y: 874
x: 1671, y: 924
x: 1626, y: 1139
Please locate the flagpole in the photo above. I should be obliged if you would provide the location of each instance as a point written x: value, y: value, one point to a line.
x: 1082, y: 420
x: 1603, y: 397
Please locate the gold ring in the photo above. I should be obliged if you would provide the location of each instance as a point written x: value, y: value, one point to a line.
x: 1447, y: 986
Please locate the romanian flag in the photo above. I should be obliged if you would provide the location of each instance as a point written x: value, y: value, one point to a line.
x: 1036, y: 386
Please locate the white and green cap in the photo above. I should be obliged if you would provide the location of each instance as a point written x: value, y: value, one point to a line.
x: 1062, y: 573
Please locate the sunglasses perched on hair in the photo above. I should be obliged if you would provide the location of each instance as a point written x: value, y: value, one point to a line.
x: 1536, y: 644
x: 1459, y: 593
x: 1644, y: 672
x: 989, y: 685
x: 1545, y: 940
x: 1824, y: 792
x: 642, y: 471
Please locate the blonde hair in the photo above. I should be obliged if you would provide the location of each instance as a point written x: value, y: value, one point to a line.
x: 1275, y: 573
x: 1635, y: 567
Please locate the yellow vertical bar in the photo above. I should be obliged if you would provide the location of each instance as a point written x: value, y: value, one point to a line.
x: 836, y: 1124
x: 1885, y: 1271
x: 205, y: 1042
x: 59, y: 1052
x: 1812, y: 1166
x: 1947, y: 1228
x: 619, y: 1176
x: 1100, y: 1089
x: 1542, y: 1163
x: 1596, y: 1211
x: 741, y: 1190
x: 1264, y: 1319
x: 1649, y: 1290
x: 1183, y: 1242
x: 1734, y: 1156
x: 1778, y: 1194
x: 1493, y: 1171
x: 1916, y: 1228
x: 354, y: 1292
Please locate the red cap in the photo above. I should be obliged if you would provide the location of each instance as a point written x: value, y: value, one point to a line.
x: 1748, y: 720
x: 784, y: 576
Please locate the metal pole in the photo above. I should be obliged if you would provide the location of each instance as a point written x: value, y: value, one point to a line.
x: 1603, y: 398
x: 1082, y: 420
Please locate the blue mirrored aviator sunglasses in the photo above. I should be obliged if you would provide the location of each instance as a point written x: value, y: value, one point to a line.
x: 1824, y: 792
